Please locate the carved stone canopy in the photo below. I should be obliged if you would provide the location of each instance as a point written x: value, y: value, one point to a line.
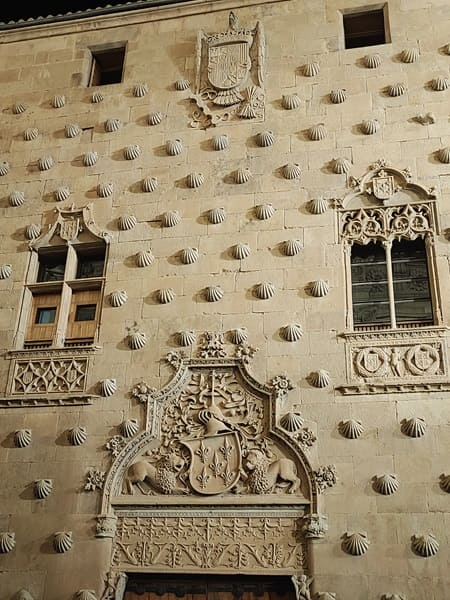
x: 72, y: 225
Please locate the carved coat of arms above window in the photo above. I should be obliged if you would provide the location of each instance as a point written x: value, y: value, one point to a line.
x: 217, y: 480
x: 229, y: 78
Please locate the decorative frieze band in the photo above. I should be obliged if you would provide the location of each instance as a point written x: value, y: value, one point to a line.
x: 46, y: 376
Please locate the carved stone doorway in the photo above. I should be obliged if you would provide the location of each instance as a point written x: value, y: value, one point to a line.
x: 142, y: 586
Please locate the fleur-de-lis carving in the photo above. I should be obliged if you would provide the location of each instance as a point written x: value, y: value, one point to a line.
x: 203, y: 452
x: 226, y: 449
x: 216, y: 466
x: 203, y: 478
x: 228, y: 476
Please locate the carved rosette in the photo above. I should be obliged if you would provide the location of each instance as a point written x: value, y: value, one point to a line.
x: 229, y: 77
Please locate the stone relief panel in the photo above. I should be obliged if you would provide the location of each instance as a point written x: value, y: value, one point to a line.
x: 223, y: 542
x: 229, y: 77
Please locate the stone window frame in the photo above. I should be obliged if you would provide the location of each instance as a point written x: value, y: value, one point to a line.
x: 368, y: 8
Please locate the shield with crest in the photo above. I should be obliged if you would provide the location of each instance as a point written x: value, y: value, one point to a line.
x: 215, y: 463
x: 68, y: 230
x: 383, y: 186
x: 228, y: 64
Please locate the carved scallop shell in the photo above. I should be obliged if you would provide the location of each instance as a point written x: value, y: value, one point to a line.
x: 220, y: 142
x: 129, y: 427
x: 355, y: 544
x: 182, y: 84
x: 19, y: 108
x: 105, y: 189
x: 195, y: 179
x: 414, y: 427
x: 311, y: 69
x: 85, y: 595
x: 165, y: 295
x: 72, y: 130
x: 241, y: 251
x: 187, y: 338
x: 265, y: 138
x: 58, y: 101
x: 132, y: 151
x: 318, y: 206
x: 30, y: 133
x: 217, y: 215
x: 33, y: 231
x: 62, y: 541
x: 189, y: 256
x: 140, y: 90
x: 445, y: 482
x: 155, y: 118
x: 90, y: 158
x: 320, y: 378
x: 317, y: 132
x: 77, y: 435
x: 351, y: 429
x: 338, y: 96
x: 45, y: 163
x: 144, y: 258
x: 108, y: 387
x: 239, y: 335
x: 370, y: 126
x: 4, y: 168
x: 242, y: 175
x: 444, y: 155
x: 291, y: 247
x: 174, y: 147
x: 170, y: 218
x: 396, y: 89
x: 16, y: 198
x: 23, y: 595
x: 446, y: 49
x: 386, y: 484
x: 264, y: 211
x: 137, y: 340
x: 292, y: 332
x: 440, y: 84
x: 42, y: 488
x: 425, y: 545
x: 7, y: 541
x: 97, y: 97
x: 149, y: 184
x: 118, y: 298
x: 410, y: 55
x: 372, y: 61
x: 341, y: 165
x: 264, y: 290
x: 5, y: 271
x: 62, y: 193
x: 213, y: 293
x: 292, y: 171
x: 127, y: 222
x: 22, y: 438
x: 291, y: 421
x: 319, y: 288
x: 112, y: 125
x: 290, y: 101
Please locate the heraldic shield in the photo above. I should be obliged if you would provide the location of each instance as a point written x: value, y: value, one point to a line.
x: 228, y: 68
x: 215, y: 463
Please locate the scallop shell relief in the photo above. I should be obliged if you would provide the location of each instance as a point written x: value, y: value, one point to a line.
x: 42, y: 488
x: 189, y: 256
x: 386, y: 484
x: 108, y: 387
x: 292, y: 332
x: 213, y: 293
x: 425, y: 545
x: 290, y: 101
x: 351, y: 429
x: 62, y: 541
x: 77, y: 435
x: 137, y: 340
x: 291, y: 421
x: 355, y: 544
x: 320, y: 378
x: 7, y: 541
x: 319, y: 288
x: 187, y: 338
x: 22, y: 438
x: 414, y: 427
x: 129, y: 428
x: 264, y: 290
x: 118, y: 298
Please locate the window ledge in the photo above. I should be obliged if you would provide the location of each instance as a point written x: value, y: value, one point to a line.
x: 53, y: 352
x: 406, y: 333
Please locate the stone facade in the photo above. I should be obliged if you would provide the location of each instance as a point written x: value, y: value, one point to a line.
x: 225, y: 416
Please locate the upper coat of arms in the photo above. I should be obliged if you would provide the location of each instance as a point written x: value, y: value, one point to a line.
x: 229, y: 75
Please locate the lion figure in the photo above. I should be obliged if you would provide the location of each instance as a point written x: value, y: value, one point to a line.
x: 160, y: 476
x: 265, y: 474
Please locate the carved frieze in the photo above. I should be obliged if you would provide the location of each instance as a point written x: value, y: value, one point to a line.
x: 51, y: 375
x: 229, y: 77
x: 224, y: 543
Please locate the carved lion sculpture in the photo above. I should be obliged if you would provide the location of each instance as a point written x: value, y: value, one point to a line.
x: 265, y: 474
x: 160, y: 476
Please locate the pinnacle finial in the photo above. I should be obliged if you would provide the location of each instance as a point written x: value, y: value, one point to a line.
x: 233, y: 20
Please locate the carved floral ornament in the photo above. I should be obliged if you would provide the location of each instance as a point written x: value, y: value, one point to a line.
x: 229, y: 79
x: 211, y: 438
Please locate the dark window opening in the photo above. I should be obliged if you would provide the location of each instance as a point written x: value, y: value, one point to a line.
x: 408, y: 296
x: 51, y: 267
x: 91, y: 263
x: 365, y: 28
x: 107, y: 66
x: 45, y: 316
x: 85, y: 312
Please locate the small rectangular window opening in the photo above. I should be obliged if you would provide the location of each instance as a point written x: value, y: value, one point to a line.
x: 51, y: 267
x: 85, y: 312
x: 368, y: 27
x: 91, y: 263
x: 45, y: 316
x: 107, y: 66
